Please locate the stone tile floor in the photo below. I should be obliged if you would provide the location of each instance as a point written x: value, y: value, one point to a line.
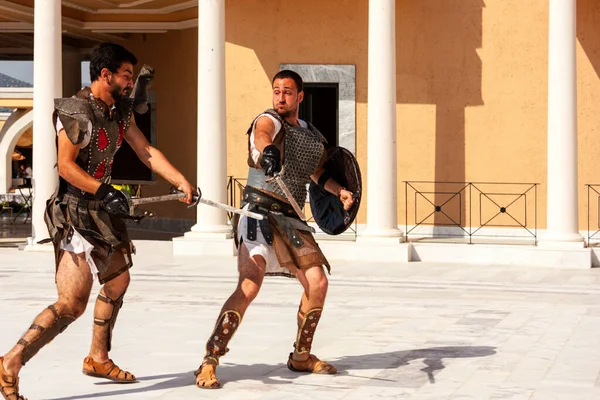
x: 395, y: 331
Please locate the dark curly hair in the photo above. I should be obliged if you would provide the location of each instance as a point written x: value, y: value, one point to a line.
x: 286, y: 73
x: 111, y: 56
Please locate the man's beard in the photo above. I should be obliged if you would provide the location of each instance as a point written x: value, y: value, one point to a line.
x: 116, y: 91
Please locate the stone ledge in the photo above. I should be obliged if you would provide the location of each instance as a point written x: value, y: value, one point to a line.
x: 521, y: 255
x: 395, y: 252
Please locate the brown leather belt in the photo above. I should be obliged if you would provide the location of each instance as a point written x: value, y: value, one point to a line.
x: 266, y: 202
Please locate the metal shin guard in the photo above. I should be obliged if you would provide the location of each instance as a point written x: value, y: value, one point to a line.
x: 306, y: 330
x: 60, y: 323
x: 117, y: 304
x: 226, y: 326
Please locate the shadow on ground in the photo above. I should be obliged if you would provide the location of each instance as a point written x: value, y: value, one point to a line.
x: 349, y: 366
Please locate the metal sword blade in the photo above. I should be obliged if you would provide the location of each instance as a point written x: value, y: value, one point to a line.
x: 234, y: 210
x: 177, y: 196
x: 289, y: 196
x: 157, y: 199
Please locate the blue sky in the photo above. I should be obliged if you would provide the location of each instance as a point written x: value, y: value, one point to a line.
x: 23, y: 70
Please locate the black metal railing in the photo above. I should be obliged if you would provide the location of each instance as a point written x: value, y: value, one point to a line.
x: 593, y: 213
x: 464, y: 209
x: 235, y: 189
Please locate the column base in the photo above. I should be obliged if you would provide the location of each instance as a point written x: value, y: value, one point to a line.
x: 562, y: 240
x: 209, y: 229
x: 209, y: 242
x: 34, y: 246
x: 387, y: 235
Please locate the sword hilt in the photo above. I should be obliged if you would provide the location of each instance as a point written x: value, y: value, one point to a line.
x: 276, y: 175
x: 195, y: 196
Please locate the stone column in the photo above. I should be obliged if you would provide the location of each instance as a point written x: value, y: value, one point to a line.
x: 211, y: 223
x: 562, y: 203
x: 212, y: 139
x: 47, y: 85
x: 381, y: 191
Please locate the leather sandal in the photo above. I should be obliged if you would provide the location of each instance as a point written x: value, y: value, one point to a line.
x: 107, y: 370
x: 206, y: 377
x: 9, y: 385
x: 312, y: 365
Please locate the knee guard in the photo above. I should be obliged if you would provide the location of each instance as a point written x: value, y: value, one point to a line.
x: 117, y: 304
x: 306, y: 330
x: 60, y: 323
x: 226, y: 326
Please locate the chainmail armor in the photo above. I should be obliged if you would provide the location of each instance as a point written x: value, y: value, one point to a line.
x: 302, y: 153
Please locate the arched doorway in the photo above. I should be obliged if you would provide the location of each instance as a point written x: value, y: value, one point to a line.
x: 18, y: 123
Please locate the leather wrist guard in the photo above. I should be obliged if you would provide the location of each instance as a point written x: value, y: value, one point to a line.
x: 102, y: 191
x: 323, y: 179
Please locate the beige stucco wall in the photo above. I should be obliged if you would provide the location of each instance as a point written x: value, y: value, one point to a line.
x: 174, y: 56
x: 471, y: 86
x: 588, y: 59
x: 16, y: 103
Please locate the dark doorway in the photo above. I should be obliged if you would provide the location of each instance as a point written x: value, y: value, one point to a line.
x: 127, y: 167
x: 320, y: 108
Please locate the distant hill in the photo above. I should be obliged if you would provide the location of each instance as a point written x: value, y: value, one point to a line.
x: 8, y: 81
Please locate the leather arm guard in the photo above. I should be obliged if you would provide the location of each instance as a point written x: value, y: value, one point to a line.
x: 325, y: 176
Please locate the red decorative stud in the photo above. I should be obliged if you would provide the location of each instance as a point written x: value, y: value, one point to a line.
x: 102, y: 139
x: 100, y: 170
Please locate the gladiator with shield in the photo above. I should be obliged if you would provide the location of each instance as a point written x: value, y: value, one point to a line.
x: 85, y: 216
x: 285, y: 154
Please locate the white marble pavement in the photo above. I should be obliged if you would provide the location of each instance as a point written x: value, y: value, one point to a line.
x: 395, y: 331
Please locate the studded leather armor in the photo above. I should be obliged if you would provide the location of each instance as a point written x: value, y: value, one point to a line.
x: 98, y: 129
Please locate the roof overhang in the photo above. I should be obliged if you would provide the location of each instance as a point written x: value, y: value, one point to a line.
x: 87, y: 22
